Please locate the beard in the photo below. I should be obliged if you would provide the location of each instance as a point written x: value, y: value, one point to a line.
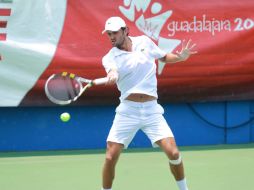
x: 120, y: 43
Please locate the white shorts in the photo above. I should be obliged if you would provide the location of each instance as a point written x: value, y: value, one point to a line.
x: 132, y: 116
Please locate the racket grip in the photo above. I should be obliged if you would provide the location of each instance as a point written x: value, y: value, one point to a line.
x: 100, y: 81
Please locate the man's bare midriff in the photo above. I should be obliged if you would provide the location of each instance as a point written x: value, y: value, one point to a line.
x: 140, y: 98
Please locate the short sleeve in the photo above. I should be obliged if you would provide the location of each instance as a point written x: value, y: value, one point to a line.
x: 108, y: 63
x: 156, y: 52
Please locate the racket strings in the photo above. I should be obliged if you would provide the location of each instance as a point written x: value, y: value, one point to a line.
x: 63, y: 88
x: 73, y: 88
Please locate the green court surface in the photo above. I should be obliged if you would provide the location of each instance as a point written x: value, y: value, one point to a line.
x: 221, y: 167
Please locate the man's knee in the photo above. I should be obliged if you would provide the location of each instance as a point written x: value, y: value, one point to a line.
x: 174, y: 157
x: 113, y: 152
x: 111, y: 157
x: 174, y: 154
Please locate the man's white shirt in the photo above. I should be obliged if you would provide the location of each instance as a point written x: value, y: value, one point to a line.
x: 136, y: 69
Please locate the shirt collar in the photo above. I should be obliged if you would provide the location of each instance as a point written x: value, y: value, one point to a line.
x: 116, y: 52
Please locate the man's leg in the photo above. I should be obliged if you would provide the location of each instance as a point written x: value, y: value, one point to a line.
x: 168, y: 145
x: 112, y: 154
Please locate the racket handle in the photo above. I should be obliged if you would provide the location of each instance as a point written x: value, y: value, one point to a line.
x: 100, y: 81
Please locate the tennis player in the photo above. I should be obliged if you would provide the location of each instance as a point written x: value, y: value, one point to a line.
x: 131, y: 65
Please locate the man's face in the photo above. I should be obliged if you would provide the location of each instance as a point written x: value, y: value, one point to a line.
x: 117, y: 38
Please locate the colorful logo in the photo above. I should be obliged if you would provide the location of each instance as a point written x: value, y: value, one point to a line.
x: 135, y: 11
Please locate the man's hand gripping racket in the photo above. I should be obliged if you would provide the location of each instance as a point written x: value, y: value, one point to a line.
x: 64, y: 88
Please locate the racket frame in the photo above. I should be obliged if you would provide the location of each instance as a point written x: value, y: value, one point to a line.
x: 80, y: 81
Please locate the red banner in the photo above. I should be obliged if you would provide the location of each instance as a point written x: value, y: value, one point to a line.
x: 223, y: 30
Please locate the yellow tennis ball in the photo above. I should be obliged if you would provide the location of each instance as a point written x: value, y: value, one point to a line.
x: 65, y: 117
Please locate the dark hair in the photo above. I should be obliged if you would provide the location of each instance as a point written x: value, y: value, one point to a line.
x: 124, y: 28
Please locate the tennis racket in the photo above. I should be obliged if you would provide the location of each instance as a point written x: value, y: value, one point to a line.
x: 65, y: 88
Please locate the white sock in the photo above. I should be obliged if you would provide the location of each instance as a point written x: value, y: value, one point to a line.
x: 182, y: 184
